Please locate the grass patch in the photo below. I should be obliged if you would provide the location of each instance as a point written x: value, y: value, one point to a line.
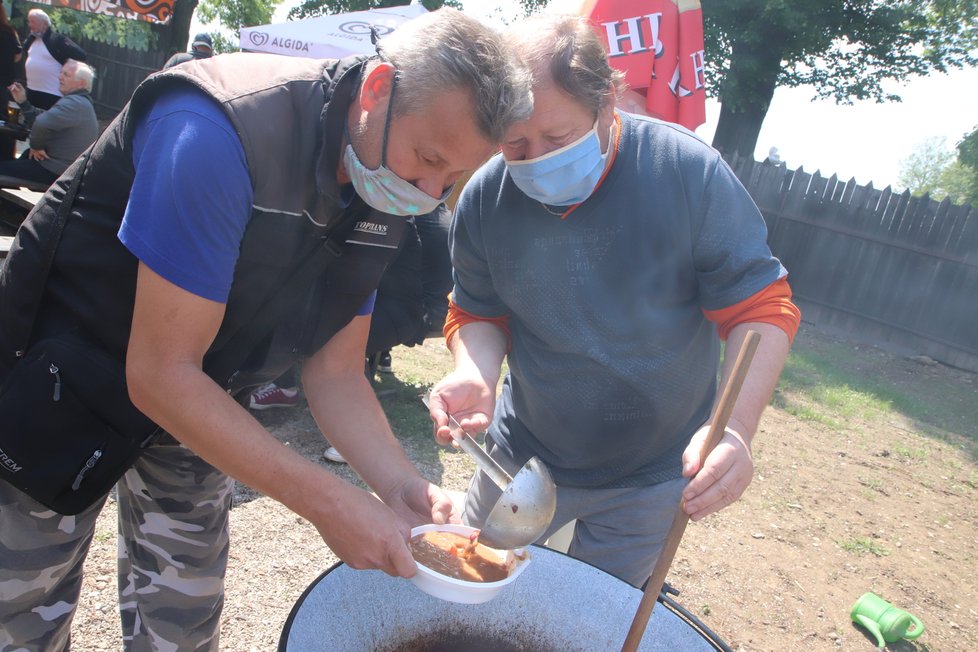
x: 910, y: 453
x: 815, y: 388
x: 846, y: 388
x: 863, y: 545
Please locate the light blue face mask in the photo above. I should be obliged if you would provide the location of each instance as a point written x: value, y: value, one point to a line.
x: 564, y: 176
x: 382, y: 188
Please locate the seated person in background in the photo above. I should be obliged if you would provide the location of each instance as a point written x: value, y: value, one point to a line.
x: 58, y: 135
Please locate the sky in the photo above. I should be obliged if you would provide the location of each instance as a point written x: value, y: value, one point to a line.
x: 866, y: 141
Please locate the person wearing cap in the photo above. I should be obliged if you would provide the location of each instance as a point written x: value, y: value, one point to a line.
x: 202, y: 47
x: 195, y: 210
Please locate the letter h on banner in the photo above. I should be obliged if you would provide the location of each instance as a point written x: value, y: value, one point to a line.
x: 658, y: 44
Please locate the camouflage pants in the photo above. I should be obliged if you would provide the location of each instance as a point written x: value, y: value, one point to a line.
x: 173, y: 549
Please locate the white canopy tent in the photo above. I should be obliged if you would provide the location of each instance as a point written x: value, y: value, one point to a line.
x: 327, y: 37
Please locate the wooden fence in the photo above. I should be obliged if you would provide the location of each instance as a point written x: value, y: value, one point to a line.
x: 887, y: 267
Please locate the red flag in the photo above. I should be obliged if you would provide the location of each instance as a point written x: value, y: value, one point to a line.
x: 658, y: 44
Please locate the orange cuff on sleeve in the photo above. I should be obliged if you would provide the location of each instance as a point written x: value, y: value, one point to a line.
x: 456, y: 318
x: 772, y: 305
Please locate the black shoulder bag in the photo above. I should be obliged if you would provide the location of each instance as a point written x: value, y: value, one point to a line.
x: 68, y: 430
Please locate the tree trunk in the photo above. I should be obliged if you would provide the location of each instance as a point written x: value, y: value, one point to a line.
x: 746, y: 94
x: 175, y: 36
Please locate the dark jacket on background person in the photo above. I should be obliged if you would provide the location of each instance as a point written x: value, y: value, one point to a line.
x: 60, y: 46
x: 64, y: 130
x: 10, y: 47
x: 296, y: 200
x: 184, y: 57
x: 412, y: 298
x: 9, y: 70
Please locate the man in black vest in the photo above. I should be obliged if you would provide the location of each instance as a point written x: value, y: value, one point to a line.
x: 194, y: 211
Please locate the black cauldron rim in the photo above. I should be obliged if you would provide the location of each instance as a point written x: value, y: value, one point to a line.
x: 664, y: 598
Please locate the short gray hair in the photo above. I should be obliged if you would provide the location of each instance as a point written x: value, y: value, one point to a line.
x: 83, y: 73
x: 570, y: 52
x: 40, y: 13
x: 446, y: 50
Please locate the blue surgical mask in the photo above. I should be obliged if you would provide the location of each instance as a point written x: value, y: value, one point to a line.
x: 382, y: 188
x: 564, y: 176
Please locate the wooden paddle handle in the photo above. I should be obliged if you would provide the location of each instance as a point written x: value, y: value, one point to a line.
x: 719, y: 426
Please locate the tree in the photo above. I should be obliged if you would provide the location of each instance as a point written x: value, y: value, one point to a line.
x: 175, y: 36
x: 921, y: 172
x: 959, y: 182
x: 934, y: 169
x: 968, y: 149
x: 964, y: 179
x: 845, y: 49
x: 310, y: 8
x: 122, y: 32
x: 235, y: 14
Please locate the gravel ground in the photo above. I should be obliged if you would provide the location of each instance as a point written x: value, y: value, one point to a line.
x: 842, y: 503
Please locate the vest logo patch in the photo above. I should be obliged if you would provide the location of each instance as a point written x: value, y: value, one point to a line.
x: 9, y: 463
x: 372, y: 228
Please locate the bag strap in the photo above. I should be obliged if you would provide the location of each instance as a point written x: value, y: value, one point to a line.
x: 54, y: 238
x: 226, y: 361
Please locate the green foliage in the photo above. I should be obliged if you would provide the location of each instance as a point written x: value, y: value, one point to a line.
x: 845, y: 49
x: 961, y: 179
x: 223, y: 43
x: 831, y: 383
x: 960, y: 182
x: 934, y: 169
x: 921, y: 171
x: 968, y: 149
x: 121, y: 32
x: 235, y: 14
x: 863, y: 545
x: 310, y: 8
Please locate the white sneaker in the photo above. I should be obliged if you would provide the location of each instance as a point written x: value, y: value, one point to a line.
x: 333, y: 455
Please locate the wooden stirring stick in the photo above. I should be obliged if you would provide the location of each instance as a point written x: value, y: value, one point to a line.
x: 717, y: 429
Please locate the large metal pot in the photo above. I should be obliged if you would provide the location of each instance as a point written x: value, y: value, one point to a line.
x: 559, y: 604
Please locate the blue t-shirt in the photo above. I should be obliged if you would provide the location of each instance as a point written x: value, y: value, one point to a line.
x: 191, y: 197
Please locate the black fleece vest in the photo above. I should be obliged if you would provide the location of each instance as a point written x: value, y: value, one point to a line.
x: 289, y: 116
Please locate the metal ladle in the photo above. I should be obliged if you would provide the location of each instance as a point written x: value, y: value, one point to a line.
x: 526, y: 507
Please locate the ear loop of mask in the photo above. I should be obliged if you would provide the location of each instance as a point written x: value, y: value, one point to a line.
x: 387, y: 124
x: 375, y: 40
x: 387, y: 119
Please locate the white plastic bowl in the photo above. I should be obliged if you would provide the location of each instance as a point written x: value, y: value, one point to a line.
x: 453, y: 590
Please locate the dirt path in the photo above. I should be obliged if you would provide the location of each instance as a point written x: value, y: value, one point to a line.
x: 834, y: 511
